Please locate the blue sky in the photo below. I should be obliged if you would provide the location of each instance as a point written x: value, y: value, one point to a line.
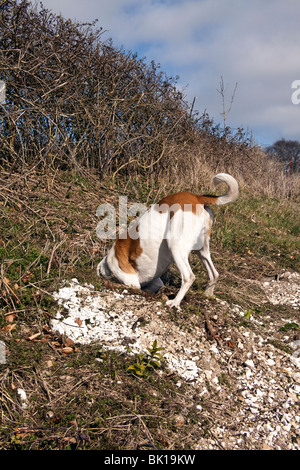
x: 252, y: 43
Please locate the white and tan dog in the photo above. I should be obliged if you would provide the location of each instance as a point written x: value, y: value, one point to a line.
x: 166, y: 233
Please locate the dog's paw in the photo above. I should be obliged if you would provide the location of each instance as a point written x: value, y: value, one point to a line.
x: 209, y: 292
x: 172, y: 303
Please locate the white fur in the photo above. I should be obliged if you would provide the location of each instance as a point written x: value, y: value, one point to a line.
x: 166, y: 239
x: 233, y: 188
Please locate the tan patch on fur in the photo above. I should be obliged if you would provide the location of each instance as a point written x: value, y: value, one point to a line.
x: 127, y: 251
x: 210, y: 224
x: 185, y: 201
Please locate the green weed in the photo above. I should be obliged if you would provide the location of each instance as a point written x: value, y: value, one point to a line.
x: 289, y: 326
x: 146, y: 362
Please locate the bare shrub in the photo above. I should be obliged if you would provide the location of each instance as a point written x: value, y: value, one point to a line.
x: 74, y: 100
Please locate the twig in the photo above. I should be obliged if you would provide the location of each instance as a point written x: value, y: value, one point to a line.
x: 229, y: 361
x: 217, y: 440
x: 211, y: 330
x: 52, y: 254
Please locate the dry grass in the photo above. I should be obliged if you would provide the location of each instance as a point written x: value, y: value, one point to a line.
x: 73, y: 400
x: 194, y: 168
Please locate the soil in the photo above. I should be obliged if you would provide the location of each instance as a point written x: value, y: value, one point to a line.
x: 241, y: 369
x: 229, y: 376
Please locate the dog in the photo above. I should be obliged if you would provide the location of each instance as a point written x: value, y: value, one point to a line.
x: 167, y: 233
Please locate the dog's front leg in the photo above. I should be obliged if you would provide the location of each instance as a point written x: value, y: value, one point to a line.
x: 187, y: 279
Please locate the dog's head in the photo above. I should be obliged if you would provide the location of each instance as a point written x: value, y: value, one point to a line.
x: 103, y: 268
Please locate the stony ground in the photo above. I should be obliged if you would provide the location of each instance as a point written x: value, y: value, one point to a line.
x: 241, y: 368
x: 229, y: 373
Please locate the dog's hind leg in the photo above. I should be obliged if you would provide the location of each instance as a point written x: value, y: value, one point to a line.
x: 213, y: 275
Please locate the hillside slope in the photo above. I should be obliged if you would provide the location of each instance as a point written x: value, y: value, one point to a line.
x: 228, y: 376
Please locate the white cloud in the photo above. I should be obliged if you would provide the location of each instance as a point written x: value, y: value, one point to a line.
x: 253, y: 43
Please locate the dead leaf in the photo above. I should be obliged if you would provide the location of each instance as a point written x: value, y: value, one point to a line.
x: 109, y: 285
x: 266, y: 447
x: 22, y: 433
x: 26, y: 278
x: 9, y: 328
x: 9, y: 317
x: 78, y: 321
x: 68, y: 342
x: 67, y: 350
x: 68, y: 440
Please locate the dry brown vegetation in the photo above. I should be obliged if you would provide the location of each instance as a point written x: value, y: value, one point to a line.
x: 82, y: 396
x: 83, y: 123
x: 75, y: 101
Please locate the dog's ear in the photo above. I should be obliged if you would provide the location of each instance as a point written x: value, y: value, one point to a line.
x: 103, y: 268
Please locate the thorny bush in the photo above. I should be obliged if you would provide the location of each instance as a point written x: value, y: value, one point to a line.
x: 75, y: 101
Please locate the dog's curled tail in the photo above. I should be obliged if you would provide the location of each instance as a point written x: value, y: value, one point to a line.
x: 233, y: 188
